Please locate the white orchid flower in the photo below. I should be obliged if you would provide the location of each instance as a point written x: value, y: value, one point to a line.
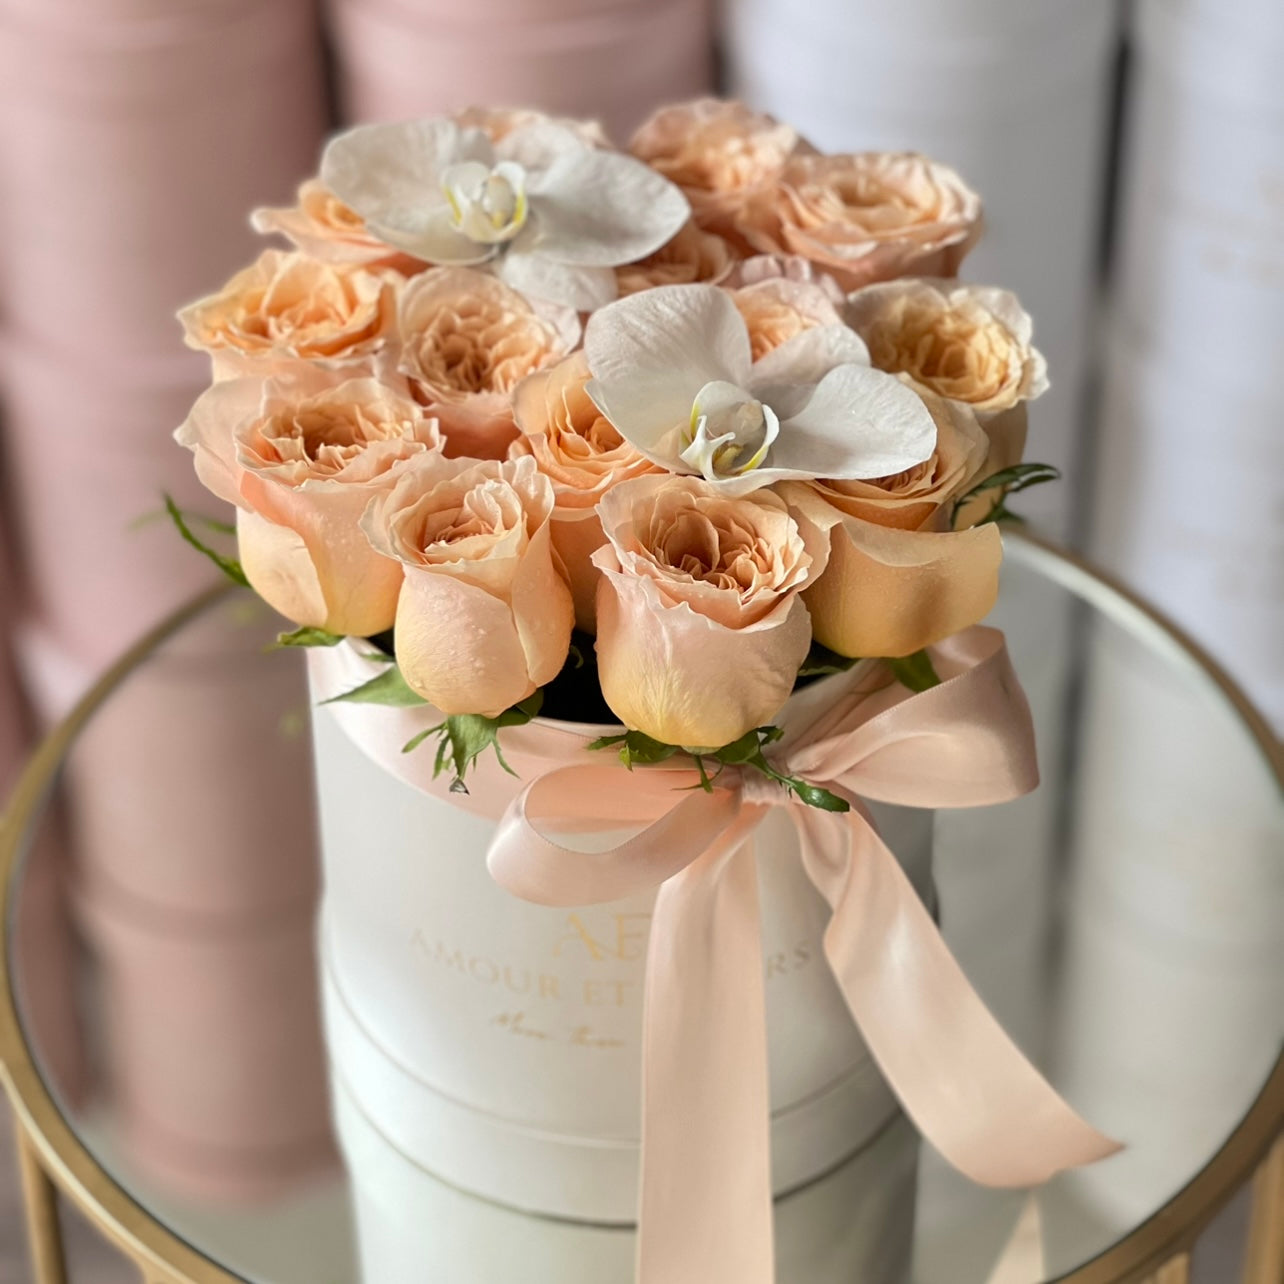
x: 672, y: 370
x: 551, y: 215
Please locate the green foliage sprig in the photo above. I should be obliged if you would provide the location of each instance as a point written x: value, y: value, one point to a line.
x: 634, y: 748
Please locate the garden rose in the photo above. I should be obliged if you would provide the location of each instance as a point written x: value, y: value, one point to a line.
x: 466, y: 340
x: 288, y: 308
x: 301, y: 457
x: 483, y: 618
x: 899, y: 578
x: 578, y: 449
x: 323, y: 227
x: 867, y: 217
x: 498, y: 122
x: 776, y: 310
x: 971, y: 343
x: 692, y: 255
x: 701, y: 629
x: 721, y: 154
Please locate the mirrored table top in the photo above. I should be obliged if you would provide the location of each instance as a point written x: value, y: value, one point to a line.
x: 1125, y: 923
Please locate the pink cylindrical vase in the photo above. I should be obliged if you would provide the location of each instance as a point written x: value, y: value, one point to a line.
x: 136, y: 141
x: 613, y: 60
x: 214, y: 1062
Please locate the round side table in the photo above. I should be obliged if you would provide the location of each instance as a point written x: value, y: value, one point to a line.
x: 1126, y: 923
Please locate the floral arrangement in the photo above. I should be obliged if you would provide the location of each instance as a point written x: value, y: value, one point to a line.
x: 649, y: 436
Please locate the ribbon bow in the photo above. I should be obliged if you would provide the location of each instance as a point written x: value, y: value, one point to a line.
x: 705, y: 1213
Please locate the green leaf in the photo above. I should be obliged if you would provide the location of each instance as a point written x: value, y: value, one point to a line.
x: 746, y: 752
x: 415, y: 741
x: 309, y: 637
x: 228, y: 565
x: 388, y: 687
x: 746, y: 749
x: 1008, y: 481
x: 821, y: 662
x: 815, y: 796
x: 464, y: 737
x: 915, y: 671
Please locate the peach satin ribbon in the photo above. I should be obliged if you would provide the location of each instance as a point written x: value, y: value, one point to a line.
x: 705, y: 1215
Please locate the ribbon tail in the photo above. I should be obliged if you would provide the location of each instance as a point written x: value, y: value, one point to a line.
x: 706, y: 1214
x: 1023, y: 1259
x: 970, y: 1090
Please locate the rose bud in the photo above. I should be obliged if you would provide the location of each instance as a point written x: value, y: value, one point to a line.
x: 484, y: 617
x: 582, y: 454
x: 701, y: 629
x: 899, y: 577
x: 301, y: 457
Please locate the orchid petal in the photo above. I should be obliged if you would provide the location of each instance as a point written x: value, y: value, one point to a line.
x: 808, y: 357
x: 431, y: 234
x: 859, y: 423
x: 582, y: 288
x: 536, y: 146
x: 650, y: 354
x: 391, y: 176
x: 601, y: 209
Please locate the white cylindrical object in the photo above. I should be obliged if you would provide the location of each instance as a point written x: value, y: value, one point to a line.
x: 1014, y: 95
x: 1175, y: 927
x: 854, y: 1226
x: 497, y: 1043
x: 1190, y: 497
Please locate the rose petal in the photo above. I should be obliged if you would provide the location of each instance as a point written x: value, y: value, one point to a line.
x: 684, y: 679
x: 577, y: 535
x: 458, y: 646
x: 889, y: 592
x: 601, y: 209
x: 542, y: 609
x: 859, y: 423
x: 358, y: 586
x: 652, y: 352
x: 279, y: 568
x: 808, y: 357
x: 209, y: 433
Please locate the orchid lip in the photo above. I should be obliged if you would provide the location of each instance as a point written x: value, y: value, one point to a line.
x: 488, y: 204
x: 726, y: 423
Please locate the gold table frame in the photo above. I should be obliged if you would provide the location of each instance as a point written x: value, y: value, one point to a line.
x: 55, y: 1163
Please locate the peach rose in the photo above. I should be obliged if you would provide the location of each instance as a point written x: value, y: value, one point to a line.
x: 287, y: 308
x: 322, y: 226
x: 498, y: 122
x: 777, y: 310
x: 301, y: 457
x: 692, y: 255
x: 899, y: 578
x: 971, y: 343
x: 484, y: 617
x: 578, y: 449
x: 466, y: 340
x: 701, y: 627
x: 867, y: 217
x: 721, y: 154
x: 788, y: 267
